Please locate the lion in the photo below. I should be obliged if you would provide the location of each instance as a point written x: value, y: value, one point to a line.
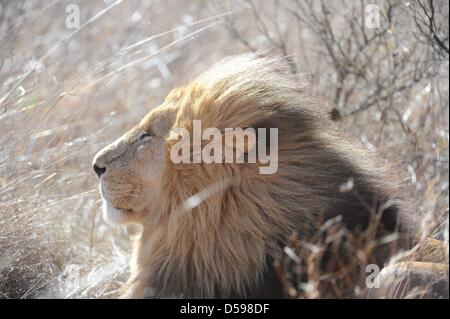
x: 214, y: 230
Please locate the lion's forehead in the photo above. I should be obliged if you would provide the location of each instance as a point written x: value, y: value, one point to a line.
x: 159, y: 120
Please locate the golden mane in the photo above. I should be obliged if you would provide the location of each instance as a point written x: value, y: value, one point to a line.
x: 223, y: 244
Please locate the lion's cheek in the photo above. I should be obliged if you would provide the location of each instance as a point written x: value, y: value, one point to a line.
x: 149, y: 168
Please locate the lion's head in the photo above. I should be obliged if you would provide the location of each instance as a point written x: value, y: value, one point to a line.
x: 130, y: 168
x: 213, y: 229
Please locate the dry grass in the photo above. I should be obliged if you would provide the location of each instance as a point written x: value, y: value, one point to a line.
x: 65, y: 93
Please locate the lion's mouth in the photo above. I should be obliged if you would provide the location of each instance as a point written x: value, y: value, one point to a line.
x: 112, y: 214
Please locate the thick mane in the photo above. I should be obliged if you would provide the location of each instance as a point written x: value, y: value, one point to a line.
x: 217, y: 227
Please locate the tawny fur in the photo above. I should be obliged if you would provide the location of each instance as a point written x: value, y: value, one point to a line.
x: 223, y: 246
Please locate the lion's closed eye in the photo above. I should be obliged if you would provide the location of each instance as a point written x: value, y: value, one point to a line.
x: 145, y: 136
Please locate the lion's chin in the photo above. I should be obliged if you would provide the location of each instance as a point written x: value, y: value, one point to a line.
x: 113, y: 215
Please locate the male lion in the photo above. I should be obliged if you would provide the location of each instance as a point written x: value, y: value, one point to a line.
x: 214, y: 230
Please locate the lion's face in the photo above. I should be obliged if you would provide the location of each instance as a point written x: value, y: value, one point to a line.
x: 130, y: 168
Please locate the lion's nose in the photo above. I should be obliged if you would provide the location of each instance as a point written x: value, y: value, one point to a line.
x: 99, y: 170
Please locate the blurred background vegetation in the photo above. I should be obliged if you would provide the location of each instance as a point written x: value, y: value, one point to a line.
x: 66, y: 91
